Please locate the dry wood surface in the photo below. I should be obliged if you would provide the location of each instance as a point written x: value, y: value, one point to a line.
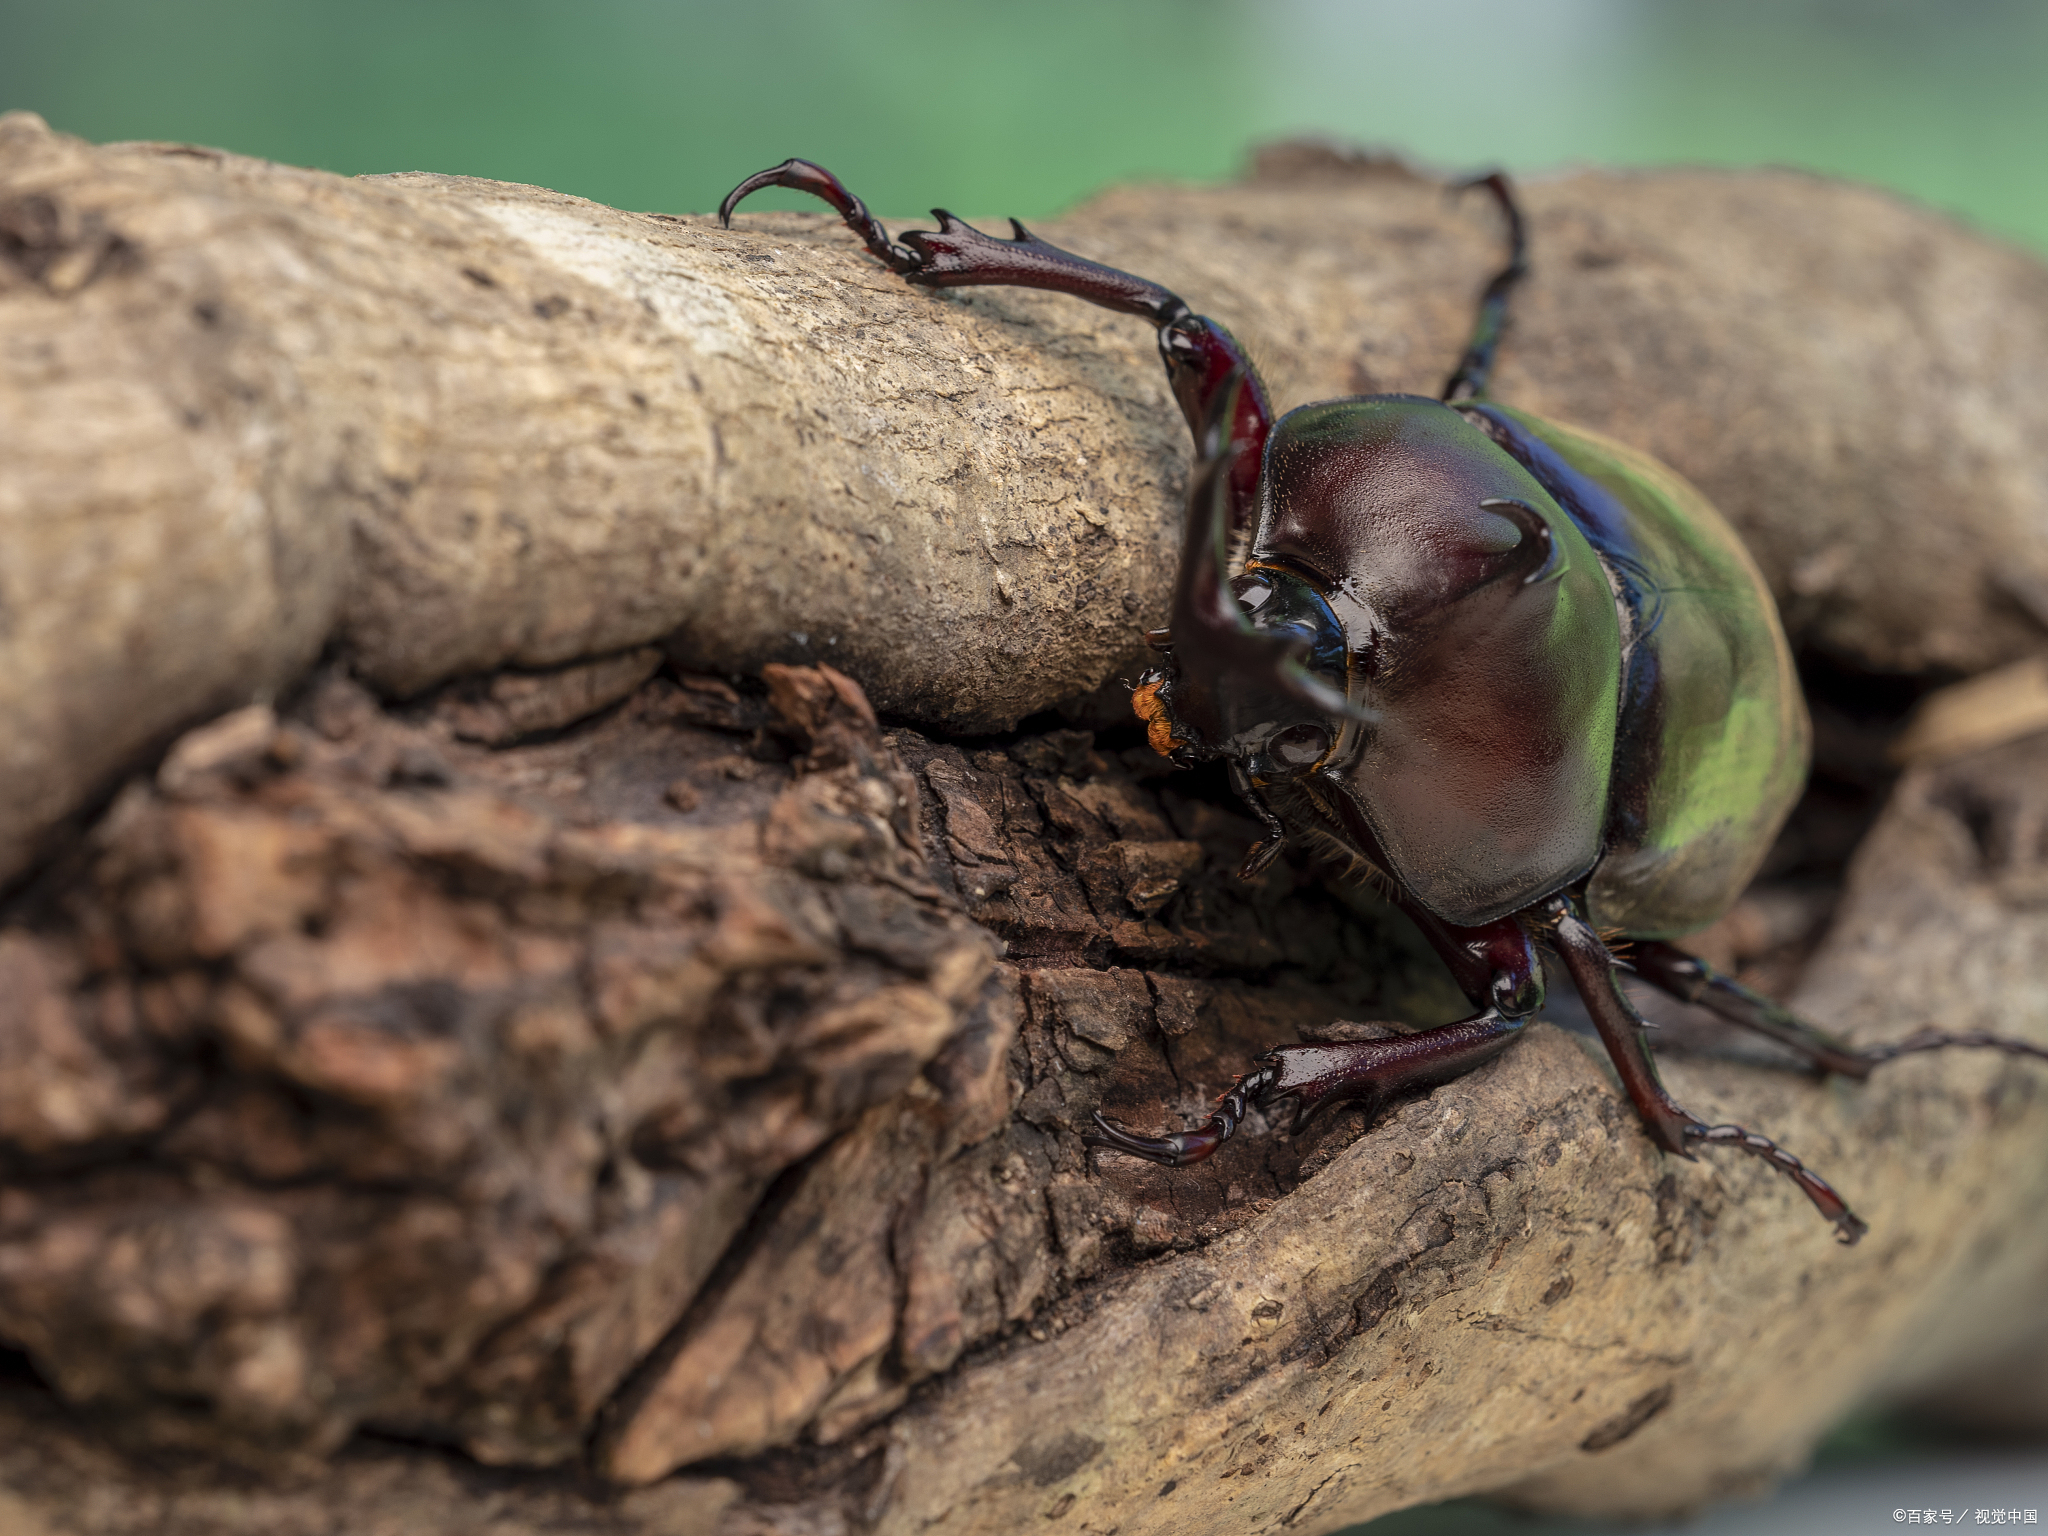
x: 496, y: 1034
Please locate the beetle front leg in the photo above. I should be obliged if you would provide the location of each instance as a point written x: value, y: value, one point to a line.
x: 1596, y: 976
x: 957, y: 255
x: 1177, y: 1149
x: 802, y: 176
x: 1320, y: 1075
x: 1202, y: 358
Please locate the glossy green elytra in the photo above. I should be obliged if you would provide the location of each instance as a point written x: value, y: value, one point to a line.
x: 1721, y: 742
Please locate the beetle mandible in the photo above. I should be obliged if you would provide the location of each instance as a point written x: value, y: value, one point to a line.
x: 1526, y: 675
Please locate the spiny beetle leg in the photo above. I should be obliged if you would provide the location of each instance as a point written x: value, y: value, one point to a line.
x: 1594, y: 973
x: 1469, y: 379
x: 1498, y: 968
x: 1200, y: 356
x: 1941, y: 1040
x: 957, y: 255
x: 1202, y: 361
x: 1691, y: 980
x: 1179, y: 1148
x: 802, y: 176
x: 1320, y: 1075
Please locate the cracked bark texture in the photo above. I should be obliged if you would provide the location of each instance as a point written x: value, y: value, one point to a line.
x: 447, y: 426
x: 643, y: 1105
x: 519, y: 1079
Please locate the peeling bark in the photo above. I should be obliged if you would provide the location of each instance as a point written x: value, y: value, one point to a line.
x: 456, y: 1071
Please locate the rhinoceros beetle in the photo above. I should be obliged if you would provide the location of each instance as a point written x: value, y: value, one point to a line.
x: 1526, y: 676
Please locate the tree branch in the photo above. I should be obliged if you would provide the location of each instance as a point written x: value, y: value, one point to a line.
x: 590, y: 1064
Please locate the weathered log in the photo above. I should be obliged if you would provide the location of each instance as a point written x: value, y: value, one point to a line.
x: 365, y: 1077
x: 603, y: 1073
x: 447, y: 425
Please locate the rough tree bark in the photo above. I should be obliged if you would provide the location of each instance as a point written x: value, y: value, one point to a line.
x: 566, y: 1028
x: 448, y: 425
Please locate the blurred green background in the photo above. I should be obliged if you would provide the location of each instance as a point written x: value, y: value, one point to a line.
x: 994, y: 106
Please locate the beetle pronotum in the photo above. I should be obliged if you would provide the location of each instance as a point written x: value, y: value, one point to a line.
x: 1527, y: 675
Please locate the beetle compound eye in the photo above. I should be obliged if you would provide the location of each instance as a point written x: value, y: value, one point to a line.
x: 1253, y: 593
x: 1299, y: 746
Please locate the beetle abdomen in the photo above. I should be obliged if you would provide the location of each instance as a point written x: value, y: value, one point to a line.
x: 1715, y: 739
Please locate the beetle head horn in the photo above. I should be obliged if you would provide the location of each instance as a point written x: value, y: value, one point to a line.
x: 1213, y: 649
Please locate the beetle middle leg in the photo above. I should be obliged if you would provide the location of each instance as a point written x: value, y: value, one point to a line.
x: 1497, y: 965
x: 1691, y: 980
x: 1597, y: 979
x: 1469, y: 379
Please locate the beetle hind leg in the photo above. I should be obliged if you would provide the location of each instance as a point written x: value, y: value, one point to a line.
x: 1692, y: 980
x: 1594, y: 973
x: 1941, y: 1039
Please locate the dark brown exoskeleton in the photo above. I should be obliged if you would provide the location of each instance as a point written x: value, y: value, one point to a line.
x: 1526, y: 675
